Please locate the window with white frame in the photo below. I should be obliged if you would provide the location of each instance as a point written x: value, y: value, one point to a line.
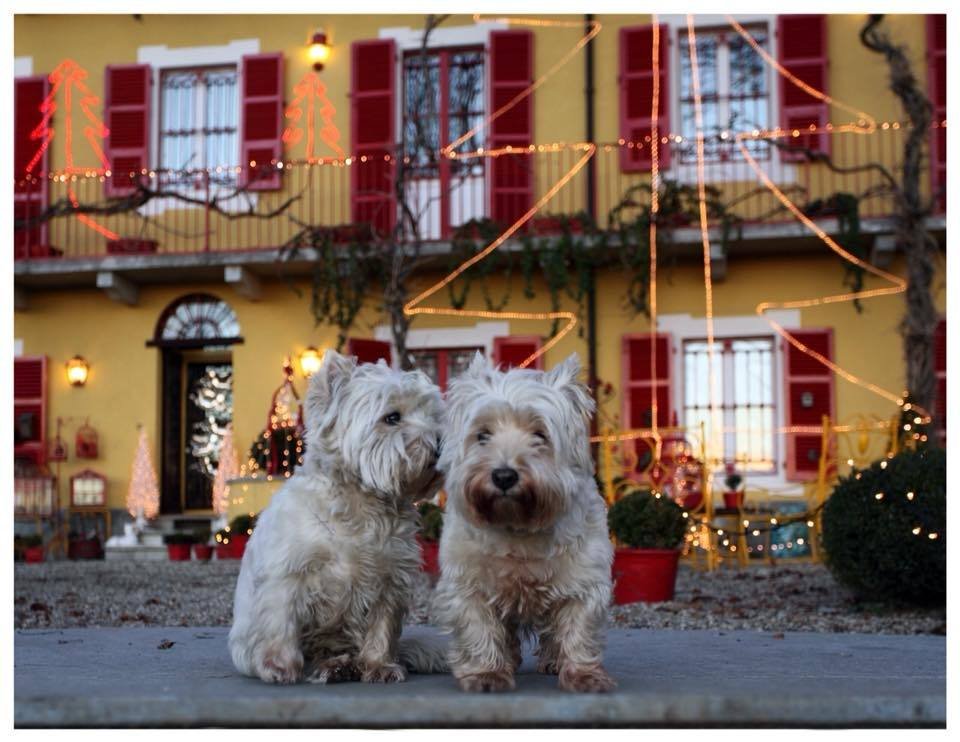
x: 734, y: 91
x: 199, y: 113
x: 746, y: 398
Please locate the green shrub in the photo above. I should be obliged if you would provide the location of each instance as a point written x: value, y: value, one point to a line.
x: 243, y: 523
x: 642, y: 521
x: 431, y: 521
x: 179, y: 537
x: 32, y: 540
x: 869, y: 541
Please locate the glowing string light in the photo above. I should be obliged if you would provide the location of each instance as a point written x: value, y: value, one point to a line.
x: 654, y: 211
x: 312, y: 90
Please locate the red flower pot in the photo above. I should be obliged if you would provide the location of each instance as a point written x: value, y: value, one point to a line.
x: 224, y: 551
x: 84, y: 548
x: 202, y: 552
x: 33, y: 554
x: 178, y: 552
x: 429, y: 556
x: 733, y: 500
x: 238, y: 544
x: 690, y: 500
x: 648, y: 575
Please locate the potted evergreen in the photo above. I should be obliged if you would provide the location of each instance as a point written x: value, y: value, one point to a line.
x: 223, y: 546
x: 178, y: 546
x: 649, y: 530
x: 733, y: 495
x: 431, y: 525
x: 202, y: 549
x: 240, y: 530
x: 33, y: 549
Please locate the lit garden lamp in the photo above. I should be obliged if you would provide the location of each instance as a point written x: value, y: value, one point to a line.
x: 310, y: 360
x: 77, y: 371
x: 319, y: 51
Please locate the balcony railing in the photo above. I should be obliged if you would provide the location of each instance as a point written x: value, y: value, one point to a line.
x: 206, y: 211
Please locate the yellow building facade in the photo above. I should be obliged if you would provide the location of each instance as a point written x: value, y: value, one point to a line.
x: 104, y: 287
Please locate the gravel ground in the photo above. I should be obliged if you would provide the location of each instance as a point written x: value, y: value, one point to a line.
x: 799, y: 597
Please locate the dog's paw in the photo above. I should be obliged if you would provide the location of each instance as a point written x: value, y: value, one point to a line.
x: 340, y: 669
x: 389, y: 673
x: 281, y: 667
x: 548, y: 666
x: 590, y: 679
x: 487, y: 682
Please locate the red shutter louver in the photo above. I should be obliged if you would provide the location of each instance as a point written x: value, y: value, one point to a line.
x: 937, y: 87
x: 261, y: 121
x: 808, y: 396
x: 639, y: 386
x: 369, y: 351
x: 512, y: 350
x: 636, y: 96
x: 30, y: 168
x: 127, y: 117
x: 802, y: 49
x: 372, y: 129
x: 30, y: 408
x: 940, y: 367
x: 511, y: 175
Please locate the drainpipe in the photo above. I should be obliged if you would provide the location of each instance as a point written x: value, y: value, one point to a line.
x: 588, y: 94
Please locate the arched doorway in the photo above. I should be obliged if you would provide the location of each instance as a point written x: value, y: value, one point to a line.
x: 194, y: 334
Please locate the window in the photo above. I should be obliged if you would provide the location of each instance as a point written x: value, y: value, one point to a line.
x: 443, y: 98
x: 734, y: 90
x: 746, y: 398
x: 198, y: 121
x: 443, y: 364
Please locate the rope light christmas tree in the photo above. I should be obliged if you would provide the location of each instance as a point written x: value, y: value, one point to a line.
x: 143, y: 494
x: 228, y: 467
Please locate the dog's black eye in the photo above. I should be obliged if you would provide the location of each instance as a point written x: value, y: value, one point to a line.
x: 483, y: 436
x: 539, y: 434
x: 393, y: 418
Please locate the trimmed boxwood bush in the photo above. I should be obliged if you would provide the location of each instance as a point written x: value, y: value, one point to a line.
x: 431, y: 521
x: 642, y: 521
x: 869, y: 542
x: 179, y: 538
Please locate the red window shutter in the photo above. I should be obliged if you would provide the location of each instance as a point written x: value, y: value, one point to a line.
x: 802, y: 49
x: 512, y: 350
x: 511, y: 176
x: 937, y: 86
x: 372, y: 131
x: 808, y: 396
x: 636, y: 96
x: 30, y: 194
x: 30, y: 404
x: 261, y: 121
x: 369, y: 351
x: 940, y: 367
x: 640, y: 386
x: 127, y: 117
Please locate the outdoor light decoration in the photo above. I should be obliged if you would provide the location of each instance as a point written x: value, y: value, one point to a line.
x: 312, y: 92
x: 77, y: 371
x: 228, y: 467
x: 143, y: 495
x: 319, y: 51
x: 310, y: 360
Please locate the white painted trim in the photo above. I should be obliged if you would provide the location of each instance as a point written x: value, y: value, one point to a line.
x: 17, y: 347
x: 162, y: 57
x: 23, y: 67
x: 686, y: 327
x: 480, y: 335
x: 412, y: 38
x: 719, y: 172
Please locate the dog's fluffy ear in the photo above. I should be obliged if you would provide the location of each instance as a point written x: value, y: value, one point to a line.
x: 333, y: 373
x: 564, y: 379
x: 479, y: 367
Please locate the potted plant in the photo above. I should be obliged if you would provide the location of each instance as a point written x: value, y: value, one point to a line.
x: 202, y: 549
x: 733, y: 495
x: 649, y: 530
x: 33, y: 549
x: 178, y: 546
x: 80, y: 546
x: 240, y: 530
x: 431, y: 525
x: 224, y: 547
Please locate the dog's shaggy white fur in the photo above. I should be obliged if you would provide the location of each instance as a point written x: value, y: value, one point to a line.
x: 524, y: 546
x: 326, y: 578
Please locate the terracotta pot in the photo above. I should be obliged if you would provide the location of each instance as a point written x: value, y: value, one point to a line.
x: 647, y: 575
x: 178, y: 552
x: 33, y: 554
x: 224, y: 551
x: 238, y: 544
x: 733, y: 500
x: 202, y: 552
x: 429, y: 556
x: 84, y: 548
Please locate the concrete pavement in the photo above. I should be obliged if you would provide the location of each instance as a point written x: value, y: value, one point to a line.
x: 133, y: 677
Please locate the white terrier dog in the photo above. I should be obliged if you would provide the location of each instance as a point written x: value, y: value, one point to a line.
x: 525, y: 546
x: 326, y: 578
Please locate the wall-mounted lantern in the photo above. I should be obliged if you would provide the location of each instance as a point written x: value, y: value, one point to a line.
x: 310, y: 361
x: 319, y: 50
x: 77, y: 371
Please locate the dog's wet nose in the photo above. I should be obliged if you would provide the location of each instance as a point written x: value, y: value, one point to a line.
x: 504, y: 477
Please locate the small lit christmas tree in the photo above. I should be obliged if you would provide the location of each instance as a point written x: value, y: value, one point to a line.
x: 228, y: 467
x: 278, y: 450
x: 143, y: 495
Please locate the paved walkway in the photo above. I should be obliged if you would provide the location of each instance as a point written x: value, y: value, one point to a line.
x: 124, y: 677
